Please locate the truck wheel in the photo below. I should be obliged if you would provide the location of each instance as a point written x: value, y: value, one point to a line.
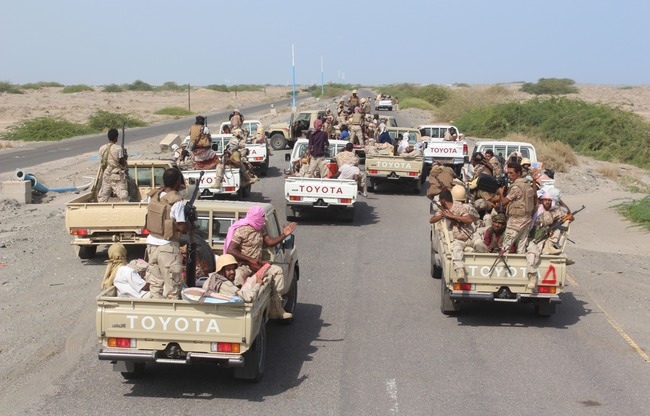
x: 545, y: 309
x: 390, y: 108
x: 436, y: 271
x: 87, y: 252
x: 447, y: 306
x: 246, y: 191
x: 416, y: 187
x: 264, y: 168
x: 136, y: 370
x: 290, y: 213
x: 348, y: 214
x: 254, y: 359
x: 370, y: 186
x: 292, y: 300
x: 278, y: 142
x: 458, y: 169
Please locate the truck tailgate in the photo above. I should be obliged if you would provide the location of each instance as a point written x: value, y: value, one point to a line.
x: 393, y: 166
x: 320, y: 192
x: 100, y: 216
x: 256, y: 153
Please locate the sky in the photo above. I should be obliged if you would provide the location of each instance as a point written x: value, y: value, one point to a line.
x: 202, y: 42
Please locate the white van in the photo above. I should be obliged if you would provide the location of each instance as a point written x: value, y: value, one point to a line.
x: 436, y: 131
x: 503, y: 149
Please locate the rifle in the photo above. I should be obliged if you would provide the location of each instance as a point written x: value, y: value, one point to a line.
x: 191, y: 217
x: 125, y: 155
x: 557, y: 226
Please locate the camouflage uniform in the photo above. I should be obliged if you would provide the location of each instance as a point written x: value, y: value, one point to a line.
x: 496, y: 166
x: 355, y: 128
x: 114, y: 179
x: 518, y: 225
x: 349, y: 158
x: 462, y: 233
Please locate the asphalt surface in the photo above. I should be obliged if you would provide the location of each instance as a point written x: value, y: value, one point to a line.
x: 369, y: 339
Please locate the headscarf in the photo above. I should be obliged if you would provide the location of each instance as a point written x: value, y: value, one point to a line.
x: 318, y: 123
x: 116, y: 259
x: 404, y: 143
x: 139, y: 265
x: 254, y: 217
x: 233, y: 144
x: 382, y: 127
x: 357, y: 109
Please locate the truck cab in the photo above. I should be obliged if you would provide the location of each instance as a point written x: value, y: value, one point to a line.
x: 281, y: 134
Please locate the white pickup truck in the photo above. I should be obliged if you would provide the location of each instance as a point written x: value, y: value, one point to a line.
x: 450, y: 153
x: 257, y: 152
x: 230, y: 185
x: 318, y: 193
x: 385, y: 104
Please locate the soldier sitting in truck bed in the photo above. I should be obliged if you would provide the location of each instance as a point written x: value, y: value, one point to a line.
x: 222, y: 280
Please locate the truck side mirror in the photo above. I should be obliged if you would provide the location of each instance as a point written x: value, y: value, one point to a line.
x: 287, y: 157
x: 289, y: 242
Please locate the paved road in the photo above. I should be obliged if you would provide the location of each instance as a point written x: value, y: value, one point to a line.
x: 369, y: 339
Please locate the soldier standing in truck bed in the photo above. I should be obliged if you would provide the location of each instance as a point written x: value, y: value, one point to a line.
x: 113, y: 162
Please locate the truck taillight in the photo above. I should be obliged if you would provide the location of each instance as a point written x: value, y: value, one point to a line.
x: 373, y: 171
x: 259, y: 159
x: 413, y: 174
x: 295, y: 198
x: 346, y: 200
x: 81, y: 231
x: 145, y: 231
x: 229, y: 189
x: 465, y: 149
x: 122, y: 342
x: 224, y: 347
x: 463, y: 286
x: 546, y: 289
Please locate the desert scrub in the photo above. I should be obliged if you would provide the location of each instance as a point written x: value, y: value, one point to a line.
x: 70, y: 89
x: 46, y: 129
x: 332, y: 90
x: 9, y: 88
x: 104, y: 120
x: 171, y: 86
x: 113, y: 88
x: 637, y: 211
x: 463, y: 100
x: 174, y: 111
x: 433, y: 94
x: 139, y: 85
x: 550, y: 86
x: 595, y: 130
x: 415, y: 103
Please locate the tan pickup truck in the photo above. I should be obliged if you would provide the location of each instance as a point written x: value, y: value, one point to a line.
x: 93, y: 223
x: 134, y: 333
x: 489, y: 280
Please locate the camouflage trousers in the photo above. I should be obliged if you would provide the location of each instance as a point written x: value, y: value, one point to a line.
x: 114, y: 183
x: 516, y: 236
x: 458, y: 253
x: 318, y: 165
x: 273, y: 274
x: 356, y: 132
x: 165, y: 272
x: 533, y: 257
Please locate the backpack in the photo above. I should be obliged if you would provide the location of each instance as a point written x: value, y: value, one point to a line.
x: 440, y: 178
x: 158, y: 220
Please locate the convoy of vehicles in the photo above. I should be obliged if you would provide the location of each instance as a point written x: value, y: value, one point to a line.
x: 281, y: 134
x: 134, y: 333
x: 450, y: 153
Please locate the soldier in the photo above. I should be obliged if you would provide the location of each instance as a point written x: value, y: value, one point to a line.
x: 328, y: 122
x: 462, y: 217
x: 355, y: 127
x: 236, y: 119
x: 364, y: 106
x: 222, y: 280
x: 245, y: 240
x: 166, y: 223
x: 525, y: 168
x: 201, y: 145
x: 494, y: 162
x: 113, y: 162
x: 185, y: 160
x: 354, y: 100
x: 492, y: 241
x: 348, y: 157
x: 233, y: 159
x: 481, y: 166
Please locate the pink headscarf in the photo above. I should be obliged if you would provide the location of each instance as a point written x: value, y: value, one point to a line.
x: 318, y: 123
x: 254, y: 217
x: 357, y: 110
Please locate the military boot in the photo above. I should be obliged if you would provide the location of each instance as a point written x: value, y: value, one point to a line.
x: 532, y: 282
x: 462, y: 275
x: 277, y: 311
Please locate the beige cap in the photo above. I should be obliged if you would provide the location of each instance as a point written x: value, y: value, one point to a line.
x: 458, y: 193
x: 354, y: 91
x: 525, y: 161
x: 225, y: 260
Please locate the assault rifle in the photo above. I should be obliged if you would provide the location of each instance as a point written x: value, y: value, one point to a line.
x: 125, y: 155
x: 191, y: 217
x: 548, y: 232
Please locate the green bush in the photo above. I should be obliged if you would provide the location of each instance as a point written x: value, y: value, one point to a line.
x: 9, y: 88
x: 46, y: 129
x: 50, y: 84
x: 171, y: 86
x: 104, y: 120
x: 31, y: 86
x: 174, y: 111
x: 415, y: 103
x: 218, y: 87
x: 637, y: 211
x: 433, y: 94
x: 113, y: 88
x: 550, y: 86
x: 139, y: 86
x: 595, y: 130
x: 69, y: 89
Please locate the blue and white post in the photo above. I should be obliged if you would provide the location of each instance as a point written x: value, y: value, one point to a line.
x: 293, y: 79
x: 322, y: 78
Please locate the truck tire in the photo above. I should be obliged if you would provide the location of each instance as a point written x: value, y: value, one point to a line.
x: 87, y: 252
x: 292, y: 300
x: 254, y: 359
x: 278, y: 142
x: 348, y: 214
x: 136, y: 370
x: 416, y: 187
x: 390, y: 108
x: 246, y: 191
x: 290, y: 214
x: 264, y: 168
x: 436, y: 271
x: 447, y: 306
x: 370, y: 186
x: 545, y: 309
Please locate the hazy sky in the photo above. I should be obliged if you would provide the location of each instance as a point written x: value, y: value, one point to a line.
x: 367, y: 42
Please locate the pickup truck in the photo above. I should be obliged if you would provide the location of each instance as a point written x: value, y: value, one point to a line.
x: 93, y: 223
x: 450, y: 153
x: 257, y: 152
x: 134, y: 333
x: 229, y: 187
x: 384, y: 104
x: 485, y: 283
x: 318, y: 193
x: 281, y: 134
